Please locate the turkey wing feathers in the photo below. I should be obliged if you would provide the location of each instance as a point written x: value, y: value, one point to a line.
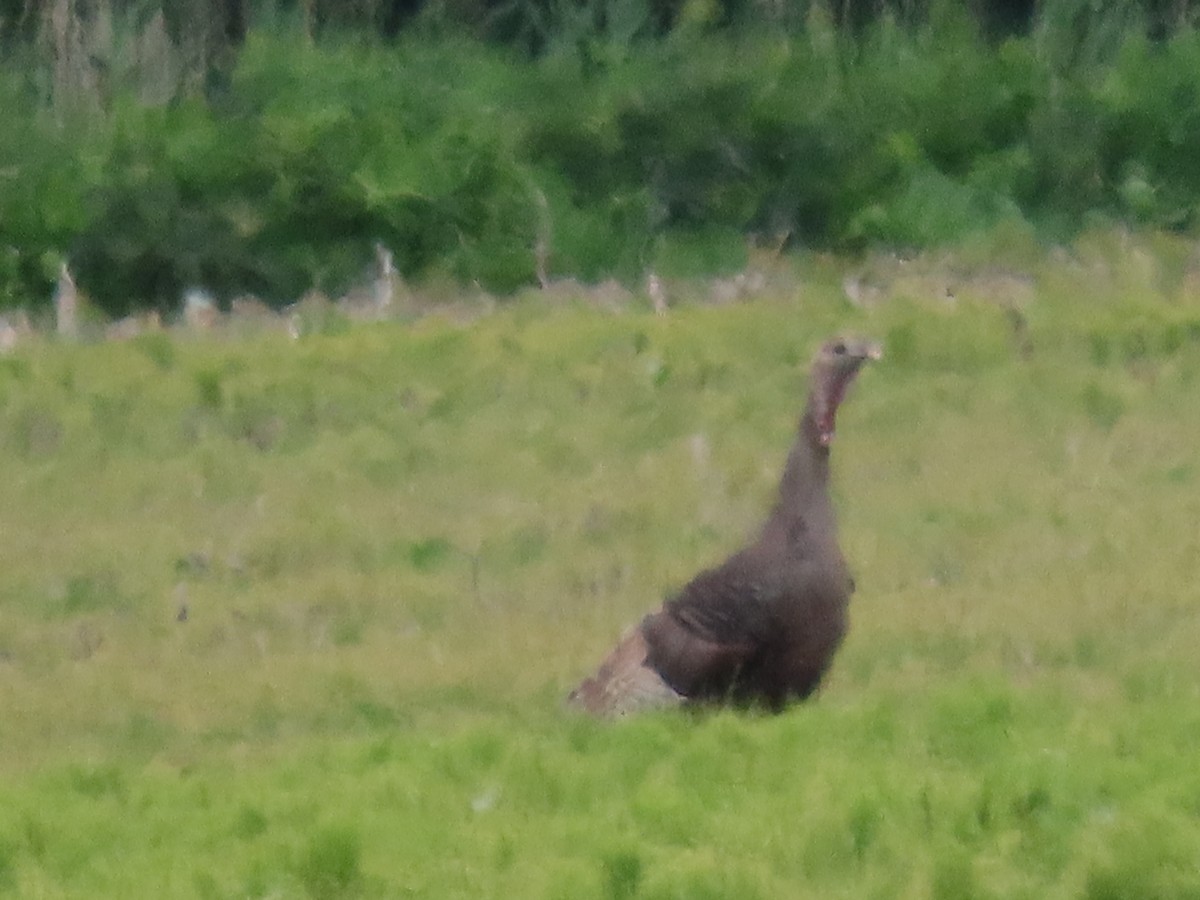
x: 729, y: 627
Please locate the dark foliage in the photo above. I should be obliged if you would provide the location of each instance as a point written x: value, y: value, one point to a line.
x: 637, y: 139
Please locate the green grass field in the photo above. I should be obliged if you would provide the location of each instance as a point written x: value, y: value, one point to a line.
x: 399, y: 546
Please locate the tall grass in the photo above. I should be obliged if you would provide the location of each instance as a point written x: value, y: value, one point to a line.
x: 330, y: 661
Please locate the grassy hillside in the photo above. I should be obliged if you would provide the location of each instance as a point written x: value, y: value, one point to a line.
x: 398, y: 547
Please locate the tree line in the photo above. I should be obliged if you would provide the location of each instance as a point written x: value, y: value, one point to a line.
x: 253, y: 146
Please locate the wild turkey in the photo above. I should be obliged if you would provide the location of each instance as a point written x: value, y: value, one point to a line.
x: 761, y: 628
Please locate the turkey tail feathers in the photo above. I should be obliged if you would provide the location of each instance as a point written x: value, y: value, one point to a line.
x: 624, y: 683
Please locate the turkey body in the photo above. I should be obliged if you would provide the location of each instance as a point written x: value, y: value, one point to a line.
x: 761, y: 628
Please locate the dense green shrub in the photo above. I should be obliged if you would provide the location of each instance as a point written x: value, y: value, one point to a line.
x: 42, y: 180
x: 604, y: 157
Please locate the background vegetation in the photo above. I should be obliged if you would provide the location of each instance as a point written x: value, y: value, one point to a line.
x: 257, y: 148
x: 295, y: 618
x: 293, y: 615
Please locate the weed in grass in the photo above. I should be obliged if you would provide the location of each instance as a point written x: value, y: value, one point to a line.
x: 428, y: 554
x: 330, y: 863
x: 86, y: 593
x: 8, y: 866
x: 146, y: 735
x: 249, y: 823
x: 34, y: 432
x: 96, y: 782
x: 158, y: 347
x: 1103, y: 407
x: 209, y: 391
x: 954, y: 877
x: 623, y: 873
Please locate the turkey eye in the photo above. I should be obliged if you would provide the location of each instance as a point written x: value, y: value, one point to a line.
x: 839, y: 349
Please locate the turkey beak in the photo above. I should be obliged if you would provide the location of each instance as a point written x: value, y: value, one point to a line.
x: 863, y: 351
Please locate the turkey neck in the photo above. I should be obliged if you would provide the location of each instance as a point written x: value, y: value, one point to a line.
x: 803, y: 503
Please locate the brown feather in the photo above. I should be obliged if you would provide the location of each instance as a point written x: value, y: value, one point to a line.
x: 624, y: 683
